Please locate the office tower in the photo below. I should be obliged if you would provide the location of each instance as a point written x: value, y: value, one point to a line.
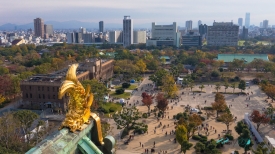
x: 245, y: 33
x: 191, y: 39
x: 101, y: 26
x: 139, y: 37
x: 164, y: 35
x: 247, y: 20
x: 88, y: 38
x: 203, y: 30
x: 261, y: 24
x: 240, y: 22
x: 115, y: 36
x: 188, y: 25
x: 199, y: 23
x: 227, y: 37
x: 38, y: 27
x: 82, y: 30
x: 127, y: 31
x: 48, y: 29
x: 70, y: 37
x: 265, y: 24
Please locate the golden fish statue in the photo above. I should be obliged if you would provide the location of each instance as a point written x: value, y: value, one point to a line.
x: 80, y: 101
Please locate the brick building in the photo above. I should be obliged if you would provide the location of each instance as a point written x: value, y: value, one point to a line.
x: 41, y: 91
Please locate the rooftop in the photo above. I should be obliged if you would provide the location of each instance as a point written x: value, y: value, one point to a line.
x: 246, y: 57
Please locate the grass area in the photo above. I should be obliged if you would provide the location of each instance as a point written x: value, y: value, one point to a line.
x: 111, y: 107
x: 132, y: 87
x: 264, y: 42
x: 125, y: 95
x: 240, y: 43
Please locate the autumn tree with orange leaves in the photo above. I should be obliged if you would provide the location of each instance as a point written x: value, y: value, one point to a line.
x: 147, y: 100
x: 259, y: 118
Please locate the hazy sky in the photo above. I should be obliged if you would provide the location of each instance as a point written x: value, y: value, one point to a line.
x: 141, y: 11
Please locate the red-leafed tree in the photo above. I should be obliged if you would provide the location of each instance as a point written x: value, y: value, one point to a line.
x: 147, y: 100
x: 5, y: 85
x: 259, y: 118
x: 162, y: 102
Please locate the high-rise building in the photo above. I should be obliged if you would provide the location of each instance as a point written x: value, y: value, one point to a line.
x: 265, y: 24
x: 247, y: 20
x: 115, y: 37
x: 203, y: 30
x: 139, y: 37
x: 82, y: 30
x: 88, y: 38
x: 164, y: 35
x: 101, y: 26
x: 188, y: 25
x: 240, y: 22
x: 38, y: 27
x: 222, y: 34
x: 78, y: 37
x: 70, y: 37
x: 261, y: 24
x: 245, y: 33
x: 191, y: 39
x: 48, y: 29
x: 199, y: 23
x: 127, y: 31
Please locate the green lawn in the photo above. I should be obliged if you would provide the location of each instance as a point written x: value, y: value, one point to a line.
x: 264, y: 42
x: 132, y: 87
x: 125, y: 95
x: 240, y: 43
x: 114, y: 107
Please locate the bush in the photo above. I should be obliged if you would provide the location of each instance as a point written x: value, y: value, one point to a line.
x: 102, y: 109
x: 208, y: 108
x: 112, y: 109
x: 196, y: 137
x: 237, y: 78
x: 229, y: 136
x: 202, y: 118
x: 144, y: 115
x: 120, y: 91
x: 126, y: 85
x: 215, y: 74
x: 200, y: 112
x: 124, y: 133
x: 219, y: 119
x: 140, y: 130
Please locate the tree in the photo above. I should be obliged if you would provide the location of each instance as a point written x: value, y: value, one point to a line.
x: 233, y: 86
x: 181, y: 134
x: 127, y: 118
x: 227, y: 119
x: 26, y: 118
x: 191, y: 85
x: 199, y: 147
x: 240, y: 126
x: 147, y: 100
x: 219, y: 105
x: 226, y: 85
x: 158, y: 76
x: 39, y: 123
x: 244, y: 140
x: 169, y: 86
x: 141, y: 65
x: 191, y: 123
x: 185, y: 145
x: 162, y: 102
x: 98, y: 89
x: 242, y: 85
x: 259, y: 118
x: 261, y: 149
x: 201, y: 87
x: 218, y: 87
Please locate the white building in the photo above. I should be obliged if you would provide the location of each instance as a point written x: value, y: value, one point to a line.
x: 127, y: 31
x: 139, y: 37
x: 188, y: 25
x: 115, y: 37
x: 247, y: 20
x: 164, y: 35
x: 265, y: 24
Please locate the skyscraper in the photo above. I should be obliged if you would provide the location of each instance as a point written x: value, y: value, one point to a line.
x: 188, y: 25
x: 265, y: 24
x: 48, y: 29
x: 199, y: 23
x: 247, y: 20
x: 38, y: 27
x: 101, y: 26
x: 127, y: 31
x: 240, y: 22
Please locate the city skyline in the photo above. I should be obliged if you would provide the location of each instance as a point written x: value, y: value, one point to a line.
x: 143, y: 12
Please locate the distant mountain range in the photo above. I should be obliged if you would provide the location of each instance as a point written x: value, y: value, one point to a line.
x: 73, y: 24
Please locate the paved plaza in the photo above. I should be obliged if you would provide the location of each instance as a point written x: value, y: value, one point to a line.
x: 241, y: 104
